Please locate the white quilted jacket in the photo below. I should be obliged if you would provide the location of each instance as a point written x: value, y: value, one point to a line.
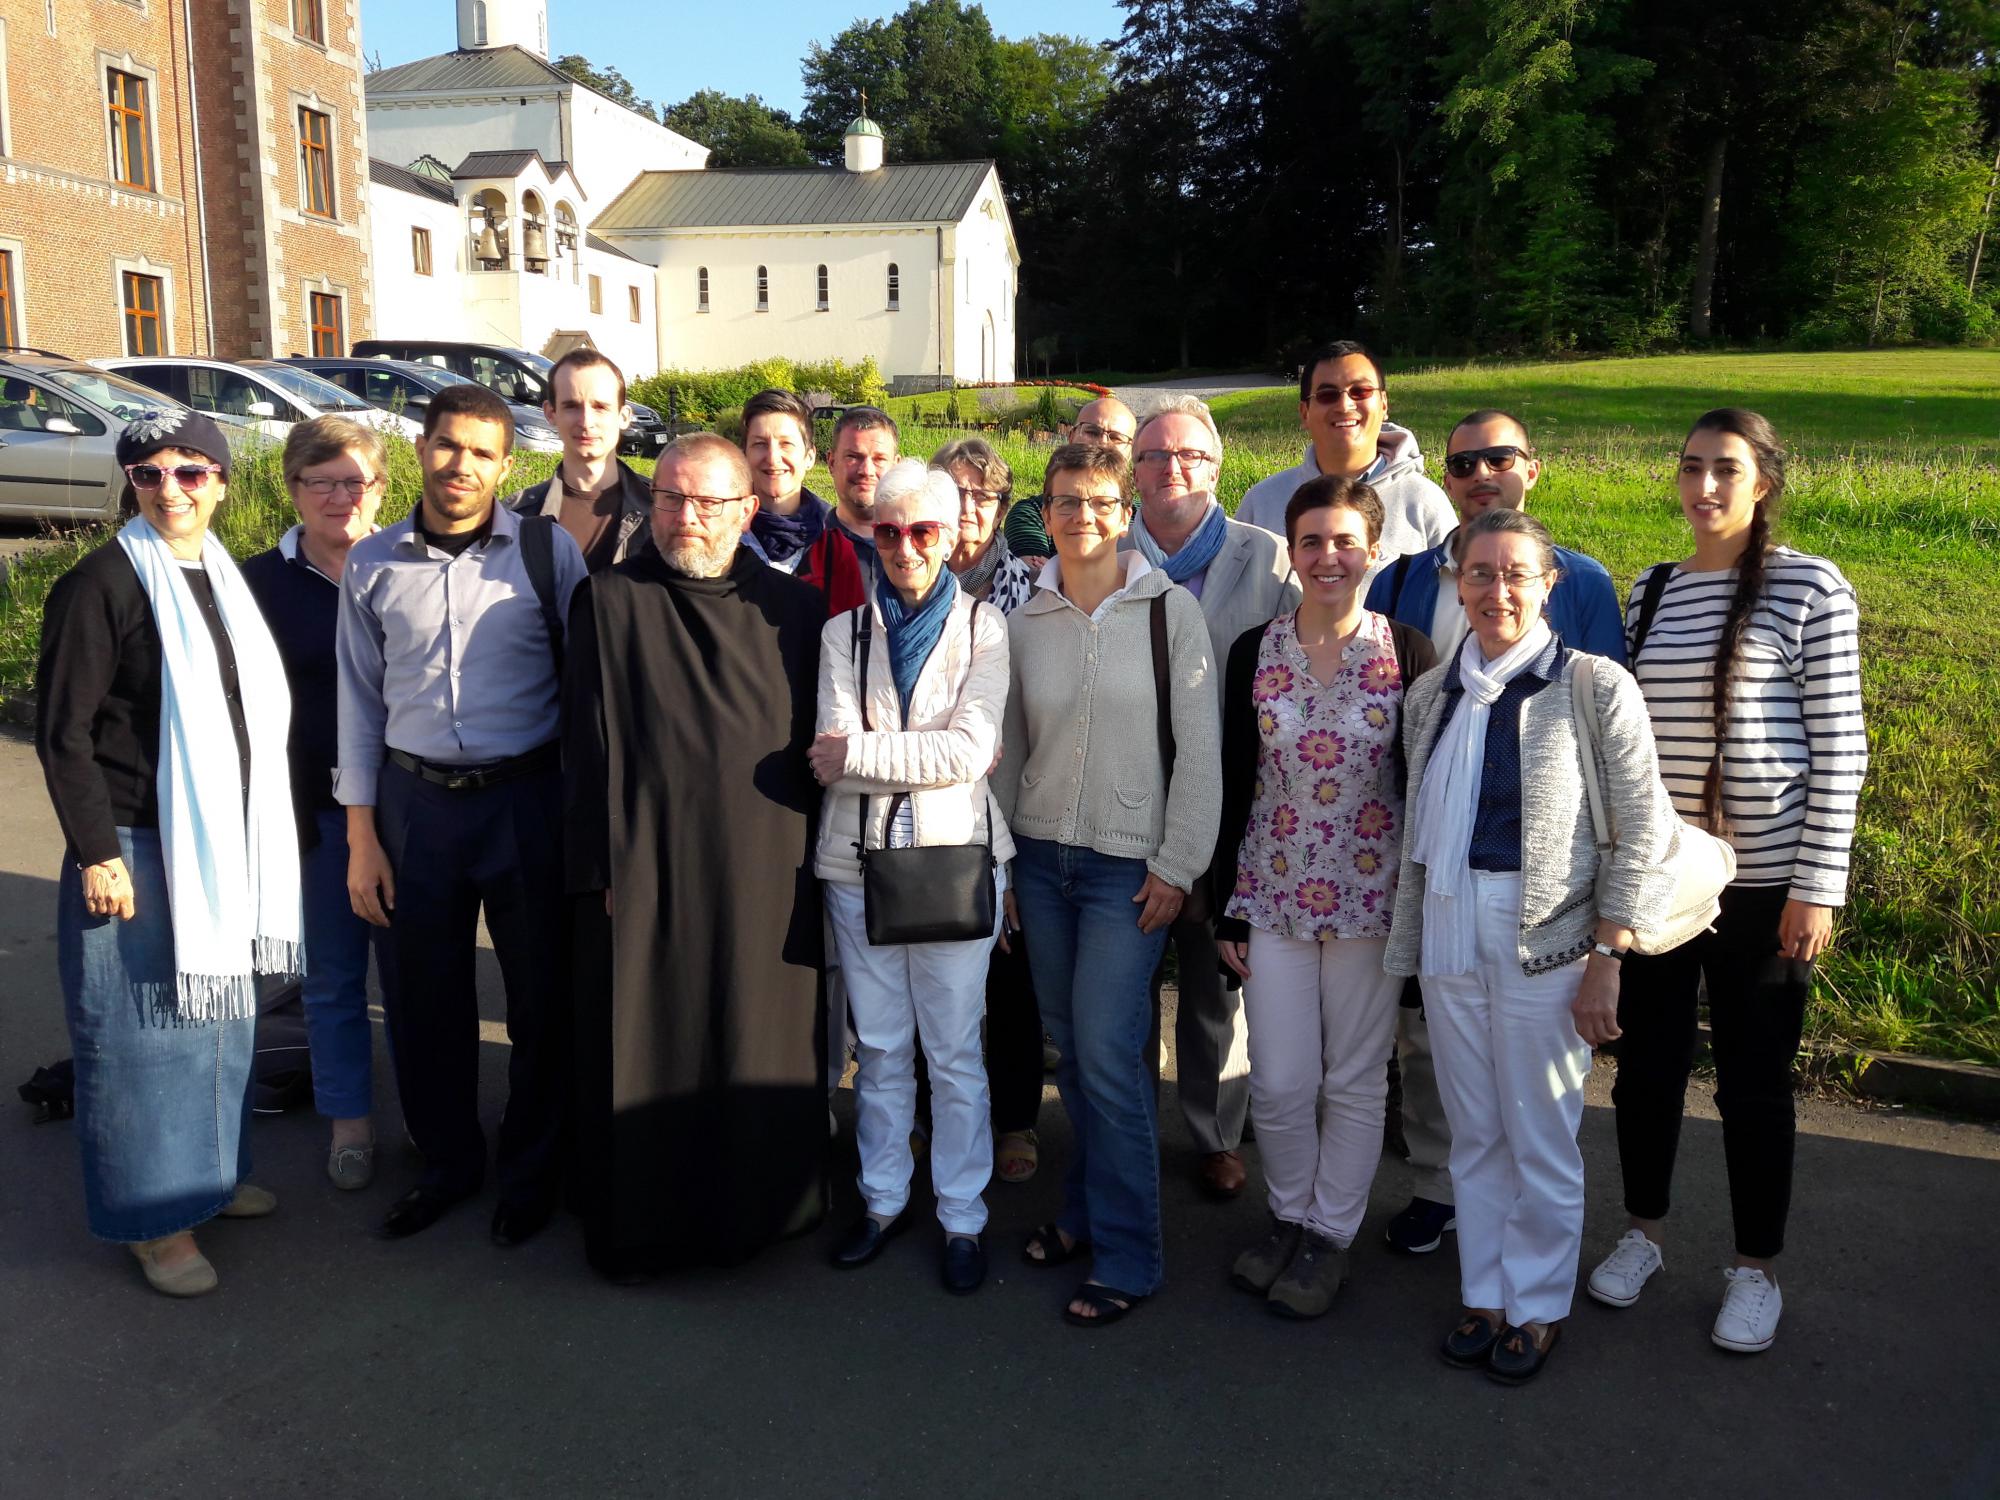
x: 941, y: 760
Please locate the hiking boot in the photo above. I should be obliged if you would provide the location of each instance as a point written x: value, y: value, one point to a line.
x: 1316, y: 1273
x: 1264, y: 1262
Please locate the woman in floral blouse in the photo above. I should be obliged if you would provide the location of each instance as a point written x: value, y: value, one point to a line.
x: 1312, y: 826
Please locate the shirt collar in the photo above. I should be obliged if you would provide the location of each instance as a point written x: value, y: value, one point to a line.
x: 1136, y: 567
x: 504, y: 526
x: 1547, y: 667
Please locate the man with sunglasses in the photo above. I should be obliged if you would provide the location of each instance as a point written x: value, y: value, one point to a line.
x: 1107, y: 422
x: 1243, y: 578
x: 449, y: 716
x: 690, y: 694
x: 1344, y: 408
x: 1489, y: 465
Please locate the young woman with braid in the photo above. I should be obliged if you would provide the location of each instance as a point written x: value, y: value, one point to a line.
x: 1748, y: 658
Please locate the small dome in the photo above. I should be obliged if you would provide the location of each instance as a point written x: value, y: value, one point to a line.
x: 862, y: 125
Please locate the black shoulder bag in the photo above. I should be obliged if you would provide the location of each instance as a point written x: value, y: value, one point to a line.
x: 1199, y: 907
x: 936, y: 894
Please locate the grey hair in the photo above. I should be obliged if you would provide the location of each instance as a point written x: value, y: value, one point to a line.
x: 930, y: 493
x: 1507, y: 523
x: 1184, y: 406
x: 977, y: 454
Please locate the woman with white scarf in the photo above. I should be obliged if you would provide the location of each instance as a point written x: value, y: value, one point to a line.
x: 162, y: 716
x: 1515, y: 931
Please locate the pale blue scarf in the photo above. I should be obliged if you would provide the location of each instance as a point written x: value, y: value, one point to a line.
x: 1196, y: 553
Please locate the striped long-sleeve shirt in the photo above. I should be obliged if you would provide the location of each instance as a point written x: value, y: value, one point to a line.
x: 1795, y: 751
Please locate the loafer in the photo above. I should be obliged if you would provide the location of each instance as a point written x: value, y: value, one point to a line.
x: 865, y: 1241
x: 517, y: 1223
x: 1471, y: 1341
x: 416, y: 1211
x: 190, y: 1278
x: 250, y: 1202
x: 964, y: 1264
x: 1515, y: 1360
x: 351, y: 1168
x: 1223, y: 1174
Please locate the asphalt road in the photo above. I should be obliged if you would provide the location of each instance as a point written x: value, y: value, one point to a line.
x: 333, y: 1364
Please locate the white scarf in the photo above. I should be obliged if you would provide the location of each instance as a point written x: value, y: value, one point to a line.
x: 1449, y: 801
x: 232, y: 874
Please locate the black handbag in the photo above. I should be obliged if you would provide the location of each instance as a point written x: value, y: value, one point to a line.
x: 1199, y: 905
x: 936, y: 894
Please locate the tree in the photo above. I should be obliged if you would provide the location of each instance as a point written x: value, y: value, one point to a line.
x: 744, y: 132
x: 610, y: 82
x: 927, y: 74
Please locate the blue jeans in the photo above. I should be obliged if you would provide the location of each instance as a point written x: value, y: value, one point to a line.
x: 162, y: 1104
x: 1093, y: 969
x: 336, y: 978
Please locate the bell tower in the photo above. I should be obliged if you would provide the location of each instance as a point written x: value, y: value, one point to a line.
x: 484, y: 24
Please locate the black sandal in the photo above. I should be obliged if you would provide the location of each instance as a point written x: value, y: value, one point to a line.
x: 1109, y: 1302
x: 1048, y: 1239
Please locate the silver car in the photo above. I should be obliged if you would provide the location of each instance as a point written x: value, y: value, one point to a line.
x: 59, y: 426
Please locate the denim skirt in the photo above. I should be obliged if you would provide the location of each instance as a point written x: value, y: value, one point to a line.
x: 162, y: 1104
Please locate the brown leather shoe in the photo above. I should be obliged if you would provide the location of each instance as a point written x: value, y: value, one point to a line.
x: 1223, y: 1174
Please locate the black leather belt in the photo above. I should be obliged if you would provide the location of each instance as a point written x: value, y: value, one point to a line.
x: 476, y: 778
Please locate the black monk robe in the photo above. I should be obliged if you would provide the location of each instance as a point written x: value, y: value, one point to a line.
x: 701, y: 1102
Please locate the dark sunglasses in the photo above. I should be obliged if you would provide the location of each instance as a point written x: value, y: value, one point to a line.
x: 1499, y: 460
x: 1330, y: 395
x: 923, y: 533
x: 187, y: 476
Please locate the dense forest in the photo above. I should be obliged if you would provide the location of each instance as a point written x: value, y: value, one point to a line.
x: 1228, y: 180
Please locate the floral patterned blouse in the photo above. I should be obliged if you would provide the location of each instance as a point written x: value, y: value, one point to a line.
x: 1319, y: 856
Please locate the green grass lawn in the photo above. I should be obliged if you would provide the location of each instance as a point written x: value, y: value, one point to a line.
x: 1895, y: 476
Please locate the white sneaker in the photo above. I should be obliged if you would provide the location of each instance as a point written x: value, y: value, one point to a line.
x: 1622, y: 1275
x: 1748, y: 1322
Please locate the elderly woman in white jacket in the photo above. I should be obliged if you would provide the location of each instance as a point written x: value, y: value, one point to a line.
x: 905, y: 756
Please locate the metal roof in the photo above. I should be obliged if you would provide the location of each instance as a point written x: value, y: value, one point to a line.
x: 920, y: 192
x: 507, y: 67
x: 596, y: 244
x: 388, y: 174
x: 507, y: 164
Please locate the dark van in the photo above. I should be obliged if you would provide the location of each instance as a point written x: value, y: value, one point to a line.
x: 515, y: 374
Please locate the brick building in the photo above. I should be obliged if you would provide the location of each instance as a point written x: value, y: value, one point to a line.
x: 220, y: 207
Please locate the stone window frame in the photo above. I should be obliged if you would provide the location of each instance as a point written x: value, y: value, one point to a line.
x: 6, y: 114
x: 325, y: 286
x: 124, y: 62
x: 312, y: 12
x: 15, y: 277
x: 302, y: 106
x: 123, y: 266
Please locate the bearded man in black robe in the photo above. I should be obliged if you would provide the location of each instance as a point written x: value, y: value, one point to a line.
x: 689, y: 697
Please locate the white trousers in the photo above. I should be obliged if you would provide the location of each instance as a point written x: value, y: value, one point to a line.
x: 1322, y: 1020
x: 897, y: 996
x: 1511, y: 1069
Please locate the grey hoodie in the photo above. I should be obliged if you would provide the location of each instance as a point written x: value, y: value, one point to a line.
x: 1416, y: 515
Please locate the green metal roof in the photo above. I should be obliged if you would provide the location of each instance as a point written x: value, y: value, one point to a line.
x: 913, y: 192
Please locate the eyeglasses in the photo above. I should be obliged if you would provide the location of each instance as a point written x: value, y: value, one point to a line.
x: 1189, y: 459
x: 1359, y: 393
x: 922, y: 534
x: 1514, y: 578
x: 1069, y: 507
x: 981, y: 498
x: 187, y: 476
x: 702, y: 505
x: 1111, y: 437
x: 1499, y: 460
x: 321, y: 487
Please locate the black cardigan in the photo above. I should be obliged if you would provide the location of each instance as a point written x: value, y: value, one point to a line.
x: 302, y: 607
x: 1240, y: 741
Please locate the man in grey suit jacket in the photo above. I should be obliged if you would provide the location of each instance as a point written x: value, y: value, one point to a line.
x: 1243, y: 578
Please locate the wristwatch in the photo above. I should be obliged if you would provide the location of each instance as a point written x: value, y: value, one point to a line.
x: 1616, y: 955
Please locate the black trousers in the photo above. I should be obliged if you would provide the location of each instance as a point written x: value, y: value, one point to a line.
x: 1756, y: 1011
x: 452, y: 853
x: 1013, y: 1039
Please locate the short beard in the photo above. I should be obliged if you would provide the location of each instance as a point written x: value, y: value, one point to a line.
x: 698, y: 558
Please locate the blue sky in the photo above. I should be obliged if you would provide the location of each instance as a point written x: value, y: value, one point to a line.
x: 669, y: 50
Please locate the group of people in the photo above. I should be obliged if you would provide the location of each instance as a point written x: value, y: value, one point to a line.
x: 743, y: 779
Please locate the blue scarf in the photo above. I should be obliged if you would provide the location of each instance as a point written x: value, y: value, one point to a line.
x: 783, y: 537
x: 913, y: 632
x: 1196, y: 553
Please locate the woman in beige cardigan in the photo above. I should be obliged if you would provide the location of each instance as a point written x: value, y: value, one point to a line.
x: 912, y: 686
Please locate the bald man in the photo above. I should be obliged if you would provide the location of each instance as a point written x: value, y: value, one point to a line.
x: 1106, y: 421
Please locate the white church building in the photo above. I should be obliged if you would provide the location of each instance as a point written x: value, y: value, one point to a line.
x: 510, y: 204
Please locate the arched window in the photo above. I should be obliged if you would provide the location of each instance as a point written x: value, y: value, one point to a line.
x: 822, y: 288
x: 701, y: 288
x: 763, y: 290
x: 479, y: 23
x: 895, y: 287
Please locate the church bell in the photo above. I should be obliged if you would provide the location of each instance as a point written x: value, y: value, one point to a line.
x: 489, y: 245
x: 535, y: 245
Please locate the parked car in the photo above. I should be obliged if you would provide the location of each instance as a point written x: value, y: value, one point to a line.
x: 265, y: 396
x: 519, y: 375
x: 59, y: 426
x: 406, y: 387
